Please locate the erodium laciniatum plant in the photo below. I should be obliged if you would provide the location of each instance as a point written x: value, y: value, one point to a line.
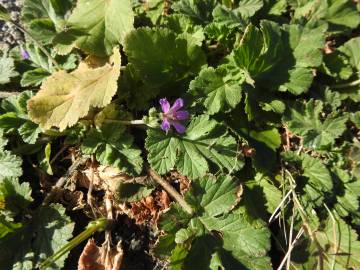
x: 181, y: 134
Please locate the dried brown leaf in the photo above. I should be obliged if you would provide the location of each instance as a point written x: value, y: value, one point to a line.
x: 148, y: 209
x: 100, y: 258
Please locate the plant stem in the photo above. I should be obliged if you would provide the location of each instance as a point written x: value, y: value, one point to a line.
x: 345, y: 85
x: 62, y: 149
x: 6, y: 94
x: 37, y: 43
x: 125, y: 122
x: 172, y: 191
x: 97, y: 225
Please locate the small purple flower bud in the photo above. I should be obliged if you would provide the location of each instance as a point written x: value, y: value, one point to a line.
x: 24, y: 54
x: 172, y: 116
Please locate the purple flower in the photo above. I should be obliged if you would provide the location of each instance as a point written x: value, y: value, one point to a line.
x: 24, y: 54
x: 172, y: 116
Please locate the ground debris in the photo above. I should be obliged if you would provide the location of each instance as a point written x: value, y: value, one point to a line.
x: 100, y: 258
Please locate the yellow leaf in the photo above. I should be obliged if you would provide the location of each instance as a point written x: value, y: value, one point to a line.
x: 66, y: 97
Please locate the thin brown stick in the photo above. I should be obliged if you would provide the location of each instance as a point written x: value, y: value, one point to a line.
x: 172, y: 191
x: 291, y: 247
x: 62, y: 180
x: 91, y: 185
x: 306, y: 223
x: 63, y: 148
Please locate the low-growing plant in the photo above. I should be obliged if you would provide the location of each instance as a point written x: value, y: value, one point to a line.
x: 229, y: 129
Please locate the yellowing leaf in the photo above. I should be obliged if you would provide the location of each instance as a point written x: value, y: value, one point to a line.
x: 66, y: 97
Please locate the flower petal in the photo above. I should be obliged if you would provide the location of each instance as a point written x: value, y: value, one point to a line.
x: 181, y: 115
x: 165, y: 125
x: 179, y: 127
x: 24, y: 54
x: 165, y: 105
x: 179, y: 103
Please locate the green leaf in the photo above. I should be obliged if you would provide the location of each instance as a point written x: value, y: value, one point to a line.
x: 216, y: 234
x: 7, y: 227
x: 231, y: 18
x: 221, y: 33
x: 173, y: 219
x: 38, y: 58
x: 349, y: 57
x: 247, y: 8
x: 33, y: 77
x: 347, y: 196
x: 216, y: 89
x: 153, y: 9
x: 344, y: 13
x: 132, y: 192
x: 43, y: 30
x: 304, y: 119
x: 178, y: 255
x: 263, y: 191
x: 44, y: 160
x: 53, y: 228
x: 161, y: 57
x: 16, y: 118
x: 134, y: 91
x: 184, y: 25
x: 317, y: 172
x: 340, y: 14
x: 345, y: 242
x: 212, y: 195
x: 4, y: 15
x: 164, y: 245
x: 113, y: 146
x: 318, y: 177
x: 7, y: 69
x: 205, y: 143
x: 282, y: 58
x: 338, y: 243
x: 237, y: 232
x: 337, y: 65
x: 45, y: 233
x: 198, y: 10
x: 353, y: 156
x: 62, y: 104
x: 351, y: 49
x: 3, y: 140
x: 104, y: 25
x: 10, y: 165
x: 355, y: 118
x: 14, y: 197
x: 258, y: 50
x: 44, y: 18
x: 56, y: 10
x: 264, y: 140
x: 330, y: 99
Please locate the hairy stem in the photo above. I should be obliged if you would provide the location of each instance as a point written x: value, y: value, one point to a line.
x: 172, y: 191
x: 37, y: 43
x: 97, y: 225
x: 345, y: 85
x: 126, y: 122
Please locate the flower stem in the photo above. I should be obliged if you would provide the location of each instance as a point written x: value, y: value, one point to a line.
x: 125, y: 122
x: 345, y: 85
x: 37, y: 43
x: 97, y: 225
x: 172, y: 191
